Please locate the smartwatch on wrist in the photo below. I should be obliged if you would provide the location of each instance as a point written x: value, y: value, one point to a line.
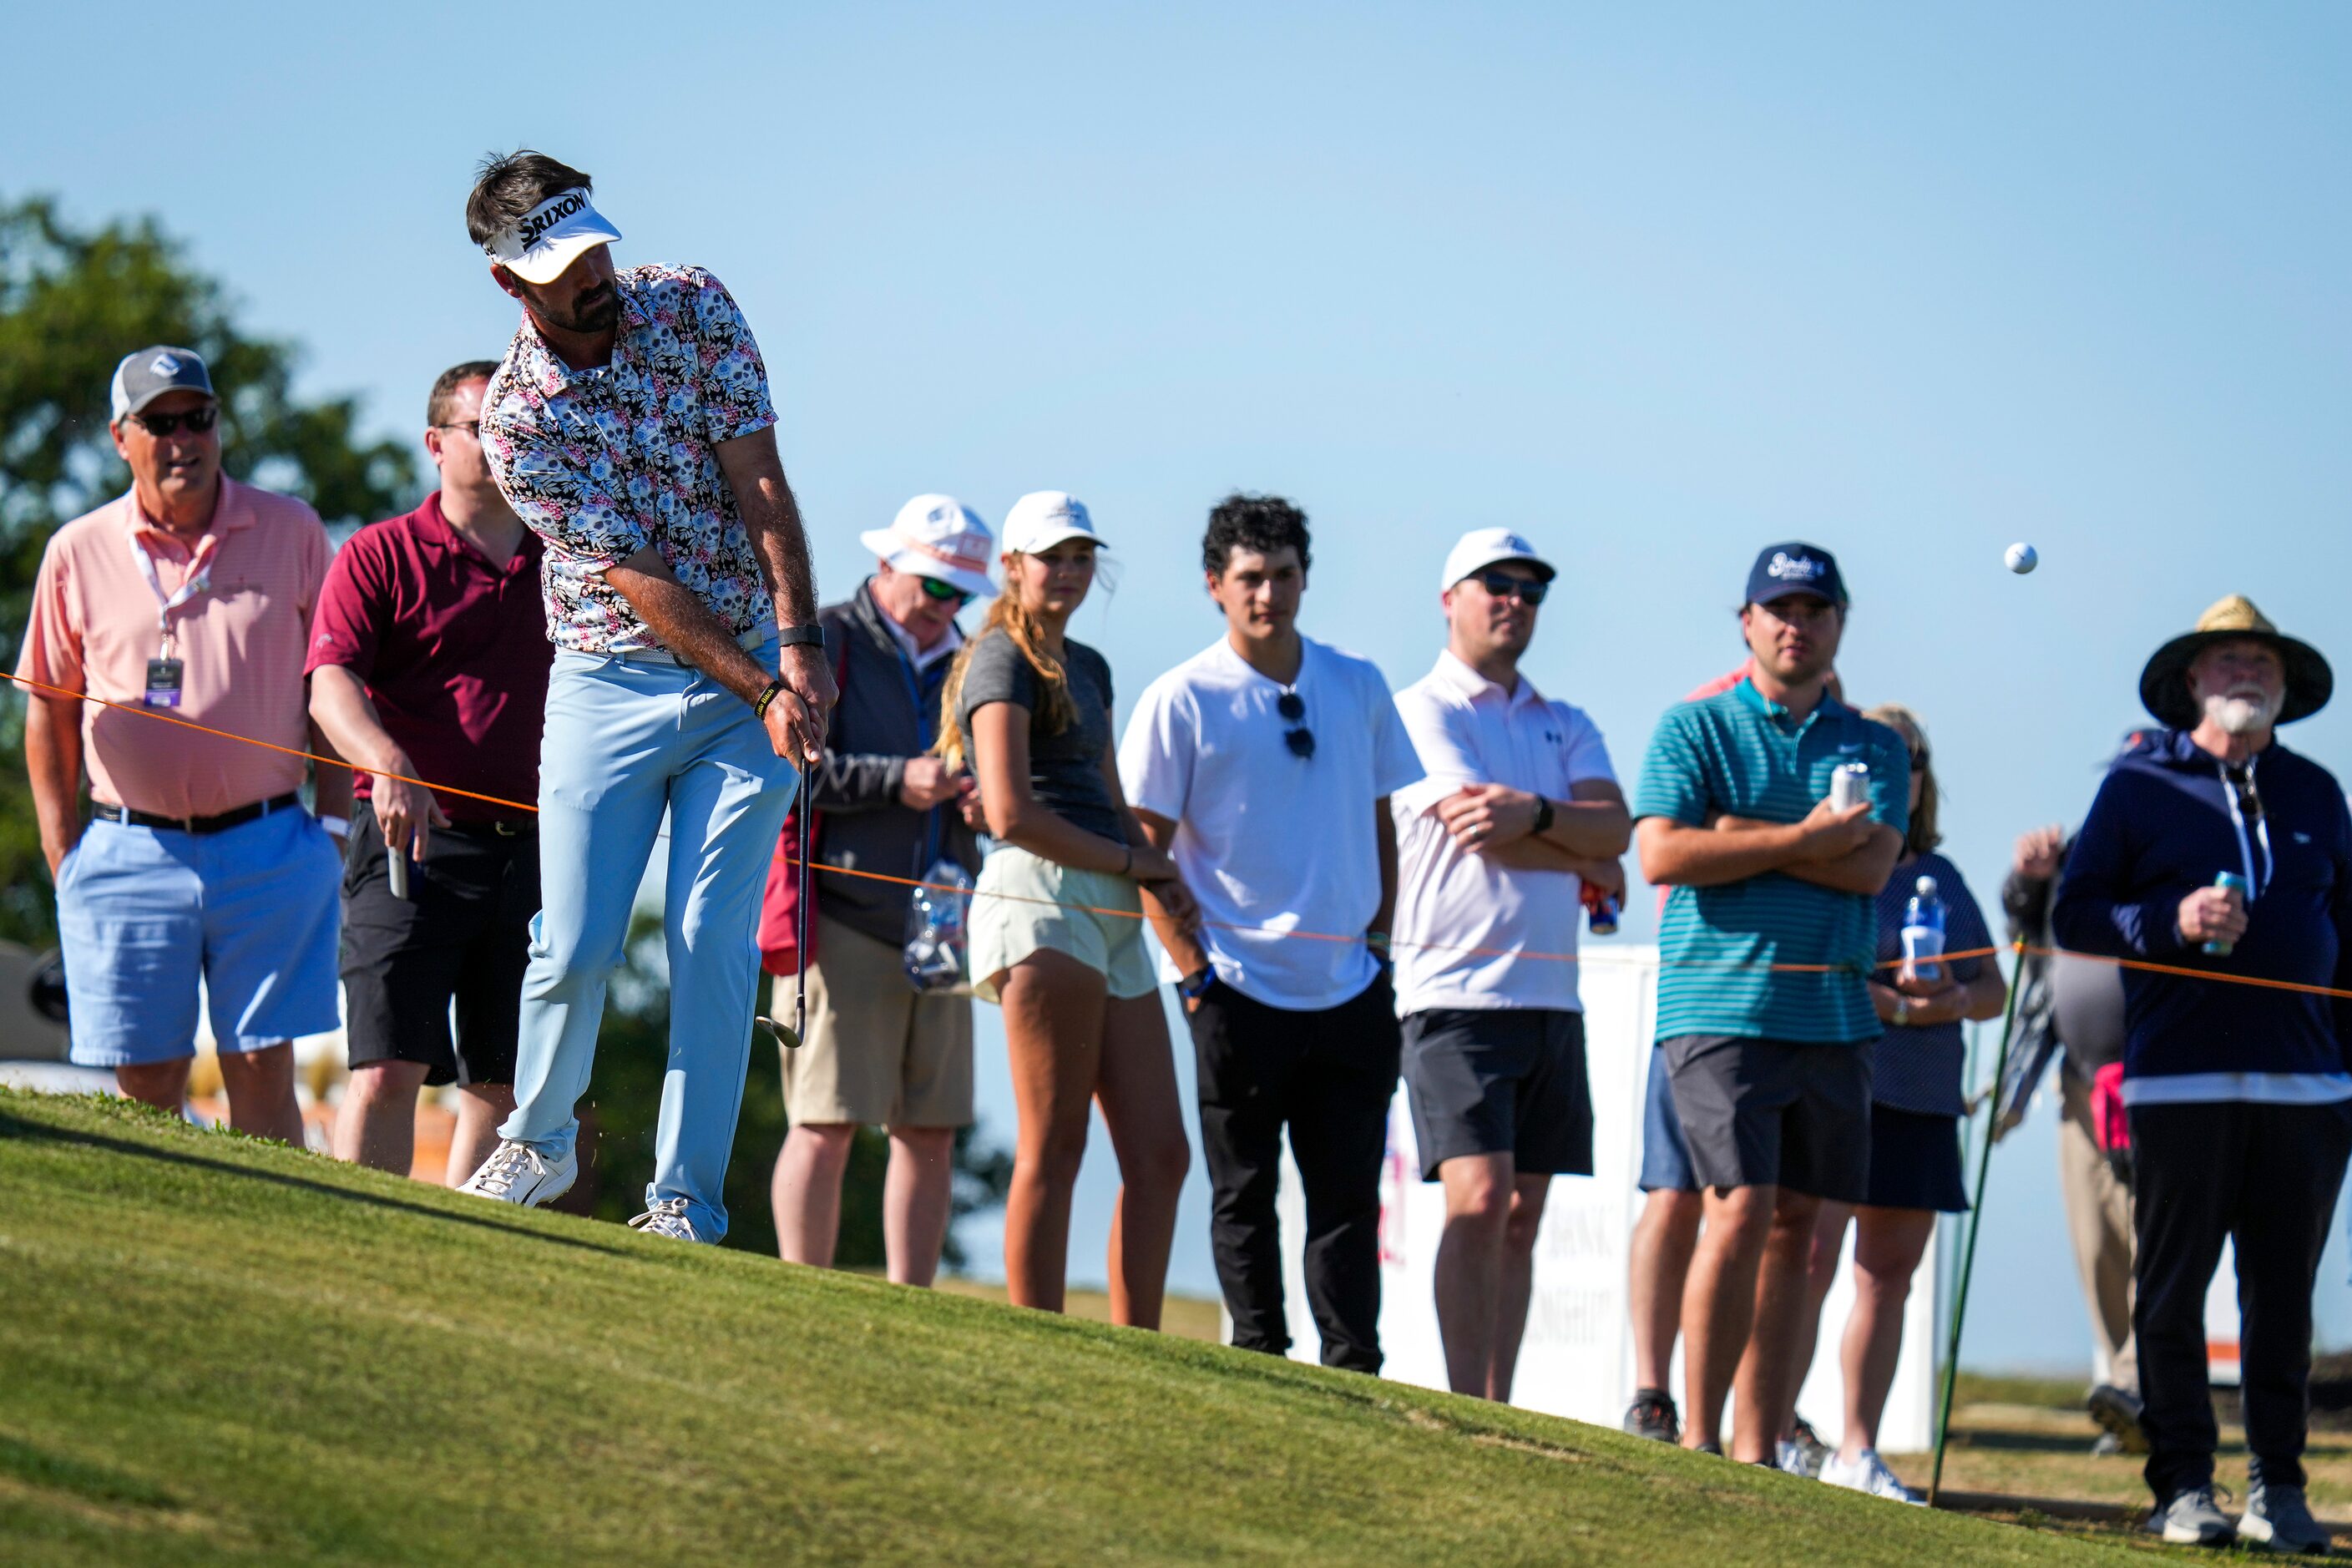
x: 1196, y: 984
x: 809, y: 636
x: 1544, y: 815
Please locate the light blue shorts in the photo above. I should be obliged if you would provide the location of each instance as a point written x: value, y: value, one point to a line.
x: 143, y: 912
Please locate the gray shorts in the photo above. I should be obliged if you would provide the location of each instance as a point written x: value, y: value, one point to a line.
x: 1759, y: 1113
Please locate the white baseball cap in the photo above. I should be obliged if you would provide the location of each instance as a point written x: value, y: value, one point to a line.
x: 538, y: 245
x: 937, y: 536
x: 1484, y: 547
x: 1042, y: 518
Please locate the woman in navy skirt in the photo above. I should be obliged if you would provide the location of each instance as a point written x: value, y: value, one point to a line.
x: 1916, y: 1103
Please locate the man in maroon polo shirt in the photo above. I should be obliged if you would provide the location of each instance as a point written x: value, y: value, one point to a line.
x: 428, y: 661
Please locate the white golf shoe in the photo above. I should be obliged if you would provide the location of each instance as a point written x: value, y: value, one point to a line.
x: 1868, y: 1474
x: 517, y: 1173
x: 666, y: 1216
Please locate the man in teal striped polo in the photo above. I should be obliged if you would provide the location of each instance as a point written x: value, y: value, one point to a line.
x: 1769, y: 1068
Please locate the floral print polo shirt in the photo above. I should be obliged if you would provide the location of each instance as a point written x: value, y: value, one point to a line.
x: 601, y: 463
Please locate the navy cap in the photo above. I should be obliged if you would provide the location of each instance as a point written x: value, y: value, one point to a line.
x: 1782, y: 570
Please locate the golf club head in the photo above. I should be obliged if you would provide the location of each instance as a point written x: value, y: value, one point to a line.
x: 784, y: 1035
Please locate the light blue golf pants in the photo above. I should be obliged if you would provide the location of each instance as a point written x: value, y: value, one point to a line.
x: 626, y: 740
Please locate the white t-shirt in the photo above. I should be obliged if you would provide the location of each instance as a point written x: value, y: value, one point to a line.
x: 1269, y: 841
x: 1470, y: 731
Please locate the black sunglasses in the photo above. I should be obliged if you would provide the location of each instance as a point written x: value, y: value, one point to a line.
x: 470, y: 426
x: 1529, y: 591
x: 935, y: 589
x: 1300, y: 739
x: 197, y: 420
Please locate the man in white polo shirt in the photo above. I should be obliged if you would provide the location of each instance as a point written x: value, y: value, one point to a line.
x: 1264, y: 764
x: 1520, y: 808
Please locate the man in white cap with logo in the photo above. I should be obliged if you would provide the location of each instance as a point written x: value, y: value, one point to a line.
x: 630, y: 427
x: 879, y: 1052
x: 2215, y: 853
x: 190, y: 596
x: 1264, y: 764
x: 1520, y: 810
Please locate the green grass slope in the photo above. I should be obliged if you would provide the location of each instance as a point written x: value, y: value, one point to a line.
x: 217, y: 1350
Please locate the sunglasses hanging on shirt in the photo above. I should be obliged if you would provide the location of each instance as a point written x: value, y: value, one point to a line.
x: 1298, y: 738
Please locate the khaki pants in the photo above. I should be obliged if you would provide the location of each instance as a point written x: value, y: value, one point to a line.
x: 2099, y: 1223
x: 878, y: 1053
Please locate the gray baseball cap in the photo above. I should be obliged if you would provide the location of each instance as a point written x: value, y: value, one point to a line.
x: 145, y: 376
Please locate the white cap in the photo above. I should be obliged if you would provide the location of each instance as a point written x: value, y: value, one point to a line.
x: 1042, y: 518
x: 937, y: 536
x: 1483, y: 547
x: 540, y: 245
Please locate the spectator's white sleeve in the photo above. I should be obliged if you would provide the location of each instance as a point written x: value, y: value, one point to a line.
x: 1439, y: 732
x: 1155, y: 757
x: 1588, y: 753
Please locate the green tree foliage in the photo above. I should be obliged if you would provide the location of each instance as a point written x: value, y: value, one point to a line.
x: 73, y: 301
x: 617, y: 1121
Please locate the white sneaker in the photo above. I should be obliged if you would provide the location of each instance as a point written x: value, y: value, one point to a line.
x: 1868, y: 1474
x: 666, y: 1216
x: 516, y: 1174
x: 1789, y: 1459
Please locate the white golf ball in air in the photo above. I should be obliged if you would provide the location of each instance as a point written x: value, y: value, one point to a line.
x: 2023, y: 558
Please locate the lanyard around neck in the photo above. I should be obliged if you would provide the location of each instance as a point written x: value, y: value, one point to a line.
x: 199, y: 578
x: 2255, y: 885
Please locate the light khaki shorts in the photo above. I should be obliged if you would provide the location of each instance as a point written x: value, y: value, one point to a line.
x: 1051, y: 907
x: 879, y: 1052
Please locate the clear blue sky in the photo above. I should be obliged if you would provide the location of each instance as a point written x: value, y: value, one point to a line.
x: 1655, y: 285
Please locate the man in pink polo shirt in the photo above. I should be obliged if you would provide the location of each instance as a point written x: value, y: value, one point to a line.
x: 429, y: 660
x: 188, y: 597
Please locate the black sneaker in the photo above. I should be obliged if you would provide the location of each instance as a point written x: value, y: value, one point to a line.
x: 1653, y: 1415
x: 2278, y: 1519
x: 2117, y: 1414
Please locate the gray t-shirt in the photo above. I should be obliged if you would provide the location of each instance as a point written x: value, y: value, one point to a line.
x: 1064, y: 770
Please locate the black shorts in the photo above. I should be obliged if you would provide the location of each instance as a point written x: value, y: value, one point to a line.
x: 1914, y: 1161
x: 1500, y: 1080
x: 1762, y: 1113
x: 463, y: 934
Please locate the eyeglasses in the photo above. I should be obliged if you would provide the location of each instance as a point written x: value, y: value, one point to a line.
x: 1299, y: 739
x: 197, y: 420
x: 1529, y: 591
x: 944, y: 591
x: 470, y: 426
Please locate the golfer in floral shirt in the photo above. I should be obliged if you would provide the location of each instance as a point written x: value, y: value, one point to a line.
x: 630, y: 426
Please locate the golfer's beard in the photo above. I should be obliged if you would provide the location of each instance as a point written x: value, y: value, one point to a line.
x: 592, y: 316
x: 2238, y: 715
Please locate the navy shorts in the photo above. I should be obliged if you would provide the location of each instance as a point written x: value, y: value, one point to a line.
x: 1914, y: 1161
x: 1665, y: 1159
x: 1500, y: 1080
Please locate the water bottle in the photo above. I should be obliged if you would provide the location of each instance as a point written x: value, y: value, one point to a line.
x: 934, y: 958
x: 2217, y: 947
x: 1922, y: 930
x: 1601, y: 910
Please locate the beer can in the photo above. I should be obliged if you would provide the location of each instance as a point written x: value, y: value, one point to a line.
x: 1850, y: 786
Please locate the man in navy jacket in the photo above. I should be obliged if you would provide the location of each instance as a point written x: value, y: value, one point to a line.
x: 2239, y: 1101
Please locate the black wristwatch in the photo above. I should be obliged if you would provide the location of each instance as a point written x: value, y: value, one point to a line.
x: 1544, y: 815
x: 809, y: 636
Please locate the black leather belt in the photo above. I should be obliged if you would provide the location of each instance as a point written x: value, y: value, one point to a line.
x: 106, y: 811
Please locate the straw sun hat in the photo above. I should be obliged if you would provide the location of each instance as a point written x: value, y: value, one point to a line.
x: 2164, y: 684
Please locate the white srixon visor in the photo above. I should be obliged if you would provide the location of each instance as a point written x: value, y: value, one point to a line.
x: 550, y: 238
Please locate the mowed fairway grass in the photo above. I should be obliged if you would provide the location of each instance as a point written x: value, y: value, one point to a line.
x: 212, y: 1350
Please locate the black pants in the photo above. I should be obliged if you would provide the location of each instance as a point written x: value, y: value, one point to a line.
x: 2265, y: 1177
x: 1331, y: 1077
